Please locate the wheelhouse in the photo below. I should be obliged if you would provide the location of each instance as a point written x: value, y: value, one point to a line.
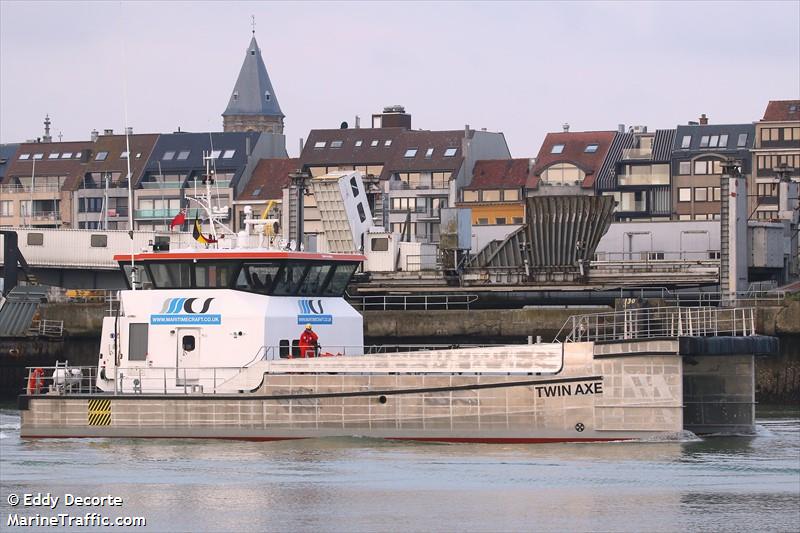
x: 267, y: 273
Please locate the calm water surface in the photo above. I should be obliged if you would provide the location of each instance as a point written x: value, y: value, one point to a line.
x: 719, y: 484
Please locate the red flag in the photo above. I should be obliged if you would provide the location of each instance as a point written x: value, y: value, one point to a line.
x: 179, y: 219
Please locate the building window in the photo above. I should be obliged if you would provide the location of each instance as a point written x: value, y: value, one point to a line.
x: 411, y: 152
x: 686, y: 142
x: 38, y: 156
x: 511, y: 195
x: 404, y: 204
x: 517, y: 220
x: 228, y: 154
x: 723, y: 141
x: 35, y: 239
x: 359, y: 143
x: 24, y: 156
x: 215, y: 153
x: 704, y: 141
x: 590, y: 148
x: 500, y: 221
x: 742, y: 142
x: 491, y: 195
x: 470, y: 196
x: 700, y: 194
x: 66, y: 155
x: 374, y: 142
x: 562, y: 174
x: 168, y: 156
x: 387, y: 142
x: 483, y: 221
x: 7, y: 208
x: 701, y: 217
x: 717, y: 193
x: 450, y: 152
x: 685, y: 168
x: 700, y: 167
x: 101, y: 156
x: 336, y: 144
x: 182, y: 155
x: 428, y: 153
x: 54, y: 155
x: 557, y: 149
x: 685, y: 194
x: 320, y: 144
x: 380, y: 244
x: 123, y: 155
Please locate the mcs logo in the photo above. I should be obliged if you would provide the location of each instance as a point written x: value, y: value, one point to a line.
x: 186, y: 311
x: 174, y: 306
x: 311, y: 312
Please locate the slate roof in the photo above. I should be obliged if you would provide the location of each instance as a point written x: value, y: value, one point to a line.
x: 499, y: 174
x: 269, y: 178
x: 115, y: 145
x: 195, y: 144
x: 73, y: 167
x: 697, y: 132
x: 662, y: 149
x: 392, y: 157
x: 575, y: 144
x: 7, y: 153
x: 782, y: 111
x: 253, y: 93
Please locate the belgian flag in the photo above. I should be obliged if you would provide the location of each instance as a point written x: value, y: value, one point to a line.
x: 197, y: 233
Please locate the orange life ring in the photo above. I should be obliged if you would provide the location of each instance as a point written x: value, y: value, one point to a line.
x: 36, y: 381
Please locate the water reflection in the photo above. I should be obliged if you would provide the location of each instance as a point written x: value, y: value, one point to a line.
x: 367, y: 485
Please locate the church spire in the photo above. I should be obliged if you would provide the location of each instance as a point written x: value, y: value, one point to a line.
x: 253, y: 105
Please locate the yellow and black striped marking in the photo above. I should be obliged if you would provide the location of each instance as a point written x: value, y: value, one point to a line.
x: 99, y: 412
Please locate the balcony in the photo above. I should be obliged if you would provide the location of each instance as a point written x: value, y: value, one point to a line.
x: 47, y: 217
x: 637, y: 153
x: 643, y: 178
x: 165, y: 214
x: 429, y: 214
x: 18, y: 189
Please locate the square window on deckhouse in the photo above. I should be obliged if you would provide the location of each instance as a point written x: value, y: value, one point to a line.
x: 557, y: 149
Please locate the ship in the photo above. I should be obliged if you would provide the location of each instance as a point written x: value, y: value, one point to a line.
x: 205, y: 342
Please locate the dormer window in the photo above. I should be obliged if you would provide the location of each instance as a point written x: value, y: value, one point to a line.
x: 387, y: 142
x: 267, y: 96
x: 235, y: 95
x: 429, y: 153
x: 359, y: 143
x: 374, y: 142
x: 253, y: 52
x: 557, y: 149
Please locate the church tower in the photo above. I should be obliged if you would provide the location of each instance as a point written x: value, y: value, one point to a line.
x: 253, y: 105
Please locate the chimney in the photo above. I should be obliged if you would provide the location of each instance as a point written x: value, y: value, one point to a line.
x: 621, y: 128
x: 466, y: 130
x: 703, y: 119
x: 531, y: 164
x: 301, y: 145
x: 393, y: 116
x: 129, y: 130
x: 358, y: 122
x: 94, y: 135
x: 108, y: 132
x: 565, y: 127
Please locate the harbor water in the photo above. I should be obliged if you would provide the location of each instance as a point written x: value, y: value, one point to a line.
x: 354, y: 484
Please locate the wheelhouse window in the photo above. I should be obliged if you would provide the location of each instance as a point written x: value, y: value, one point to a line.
x: 339, y: 280
x: 315, y: 279
x: 171, y: 275
x: 289, y: 278
x: 213, y: 275
x: 257, y: 277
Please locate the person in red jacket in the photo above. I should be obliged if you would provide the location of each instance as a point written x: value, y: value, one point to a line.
x: 308, y: 342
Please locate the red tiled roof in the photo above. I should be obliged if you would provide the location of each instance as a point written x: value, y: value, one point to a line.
x: 115, y: 145
x: 782, y: 110
x: 499, y: 174
x: 269, y: 178
x: 574, y: 152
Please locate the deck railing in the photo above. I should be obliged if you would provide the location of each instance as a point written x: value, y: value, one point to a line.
x: 407, y: 302
x: 659, y: 322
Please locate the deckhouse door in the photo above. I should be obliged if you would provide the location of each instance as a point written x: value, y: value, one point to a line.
x: 187, y: 361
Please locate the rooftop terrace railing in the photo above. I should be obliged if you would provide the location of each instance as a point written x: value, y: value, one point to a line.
x: 659, y: 323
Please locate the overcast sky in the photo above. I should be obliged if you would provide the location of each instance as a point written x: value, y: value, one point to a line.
x: 520, y: 68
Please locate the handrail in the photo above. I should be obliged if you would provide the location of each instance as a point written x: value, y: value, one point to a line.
x: 659, y: 322
x: 405, y: 302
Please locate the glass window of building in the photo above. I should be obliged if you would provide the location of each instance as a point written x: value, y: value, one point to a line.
x: 500, y: 221
x: 557, y: 149
x: 336, y: 144
x: 374, y: 142
x: 590, y: 148
x: 511, y: 195
x: 704, y: 141
x: 450, y: 152
x: 168, y: 156
x: 54, y: 155
x: 24, y: 156
x: 101, y: 156
x: 491, y: 195
x: 228, y: 154
x: 38, y: 156
x: 723, y: 141
x: 562, y: 173
x: 686, y: 142
x: 428, y: 153
x: 387, y: 142
x: 685, y: 168
x: 685, y: 194
x: 182, y: 155
x: 411, y: 152
x: 470, y: 196
x: 700, y: 167
x: 359, y: 143
x: 700, y: 194
x: 215, y: 154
